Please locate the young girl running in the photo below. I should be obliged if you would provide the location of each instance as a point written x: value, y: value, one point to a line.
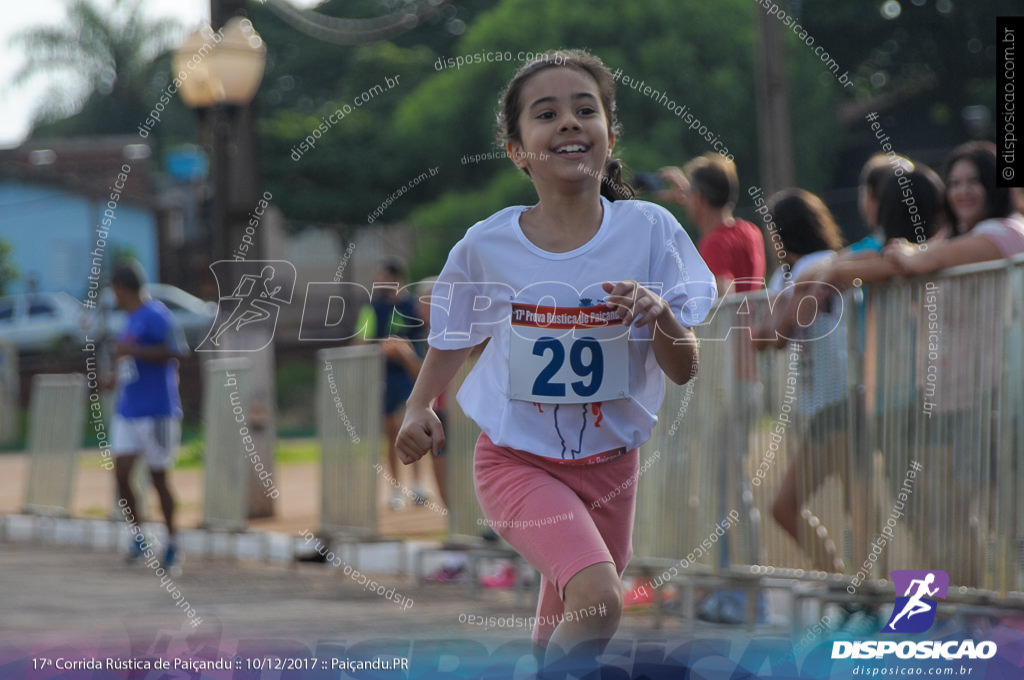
x: 586, y: 300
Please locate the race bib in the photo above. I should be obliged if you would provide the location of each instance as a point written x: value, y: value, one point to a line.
x: 568, y: 355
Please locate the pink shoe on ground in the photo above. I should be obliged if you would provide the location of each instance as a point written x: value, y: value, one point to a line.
x: 504, y: 578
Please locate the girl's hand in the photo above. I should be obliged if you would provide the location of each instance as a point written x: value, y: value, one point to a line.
x: 421, y: 433
x: 635, y: 304
x: 902, y: 255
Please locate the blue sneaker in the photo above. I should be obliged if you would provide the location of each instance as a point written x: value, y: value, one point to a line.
x: 170, y: 554
x: 134, y: 549
x: 730, y: 607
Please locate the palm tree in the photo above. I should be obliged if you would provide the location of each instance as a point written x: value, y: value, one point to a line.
x: 107, y: 66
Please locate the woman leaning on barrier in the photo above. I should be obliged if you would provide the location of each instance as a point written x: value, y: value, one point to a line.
x: 888, y: 209
x: 960, y: 351
x: 811, y: 238
x: 986, y: 224
x: 863, y: 262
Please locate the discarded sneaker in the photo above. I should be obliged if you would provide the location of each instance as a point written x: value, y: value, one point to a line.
x: 503, y: 578
x: 448, y: 574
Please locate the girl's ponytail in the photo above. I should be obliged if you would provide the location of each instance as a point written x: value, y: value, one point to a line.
x: 613, y: 187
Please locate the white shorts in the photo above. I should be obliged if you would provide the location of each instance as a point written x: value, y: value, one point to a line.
x: 156, y: 439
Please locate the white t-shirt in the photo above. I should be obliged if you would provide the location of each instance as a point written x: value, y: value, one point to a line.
x: 823, y: 374
x: 1006, y: 233
x: 495, y: 267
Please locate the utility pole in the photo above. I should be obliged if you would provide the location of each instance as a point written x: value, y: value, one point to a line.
x: 775, y: 140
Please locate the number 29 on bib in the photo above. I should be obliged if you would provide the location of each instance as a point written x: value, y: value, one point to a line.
x: 568, y: 355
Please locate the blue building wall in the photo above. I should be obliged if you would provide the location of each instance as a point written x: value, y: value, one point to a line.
x: 52, y: 233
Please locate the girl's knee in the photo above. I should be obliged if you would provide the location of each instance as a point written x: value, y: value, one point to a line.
x: 597, y: 598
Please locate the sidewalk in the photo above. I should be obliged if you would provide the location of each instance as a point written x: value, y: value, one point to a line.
x: 297, y: 510
x: 68, y: 601
x: 74, y: 603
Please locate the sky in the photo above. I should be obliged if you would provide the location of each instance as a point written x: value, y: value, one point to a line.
x: 18, y: 102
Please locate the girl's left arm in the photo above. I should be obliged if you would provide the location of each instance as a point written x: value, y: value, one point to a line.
x: 675, y: 347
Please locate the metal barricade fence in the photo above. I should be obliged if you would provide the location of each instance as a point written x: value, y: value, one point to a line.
x: 966, y: 377
x: 938, y: 402
x: 1010, y: 530
x: 56, y: 419
x: 9, y: 390
x: 678, y: 496
x: 349, y: 397
x: 466, y: 521
x: 465, y: 516
x: 888, y: 437
x: 804, y: 442
x: 225, y: 463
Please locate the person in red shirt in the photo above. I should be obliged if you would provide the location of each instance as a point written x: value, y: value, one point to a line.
x: 733, y: 249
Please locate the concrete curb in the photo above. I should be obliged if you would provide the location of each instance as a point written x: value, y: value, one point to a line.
x: 254, y: 546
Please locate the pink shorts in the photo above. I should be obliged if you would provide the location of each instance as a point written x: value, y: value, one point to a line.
x: 560, y: 518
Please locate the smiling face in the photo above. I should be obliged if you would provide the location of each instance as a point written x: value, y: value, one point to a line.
x: 966, y: 193
x: 564, y: 134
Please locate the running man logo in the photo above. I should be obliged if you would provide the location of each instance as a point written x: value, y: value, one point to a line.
x: 915, y: 610
x: 258, y: 289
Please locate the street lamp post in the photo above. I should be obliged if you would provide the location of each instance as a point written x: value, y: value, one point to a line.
x: 224, y: 68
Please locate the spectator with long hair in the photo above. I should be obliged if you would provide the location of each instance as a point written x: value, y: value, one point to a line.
x: 811, y: 238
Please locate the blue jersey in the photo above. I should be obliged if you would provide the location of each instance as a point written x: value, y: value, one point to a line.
x: 872, y: 243
x: 150, y: 388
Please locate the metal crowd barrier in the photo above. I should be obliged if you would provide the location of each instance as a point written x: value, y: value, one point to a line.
x: 350, y: 391
x: 466, y: 521
x: 349, y: 422
x: 903, y: 426
x: 461, y: 433
x: 56, y: 418
x: 9, y: 386
x: 225, y: 463
x: 895, y: 426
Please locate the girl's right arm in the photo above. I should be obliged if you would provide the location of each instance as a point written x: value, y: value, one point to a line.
x: 421, y: 430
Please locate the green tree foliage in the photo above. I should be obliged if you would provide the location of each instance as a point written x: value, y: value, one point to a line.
x: 898, y: 50
x: 700, y: 54
x: 922, y: 67
x: 358, y: 162
x: 108, y: 63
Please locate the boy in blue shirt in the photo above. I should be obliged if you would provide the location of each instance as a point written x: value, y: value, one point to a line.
x: 147, y: 420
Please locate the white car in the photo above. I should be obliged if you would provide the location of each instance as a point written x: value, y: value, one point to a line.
x: 42, y: 322
x: 193, y: 315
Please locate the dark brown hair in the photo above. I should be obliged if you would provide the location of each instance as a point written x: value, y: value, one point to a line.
x: 510, y: 105
x: 915, y: 220
x: 805, y: 224
x: 713, y: 176
x: 878, y: 167
x: 982, y: 155
x: 127, y: 276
